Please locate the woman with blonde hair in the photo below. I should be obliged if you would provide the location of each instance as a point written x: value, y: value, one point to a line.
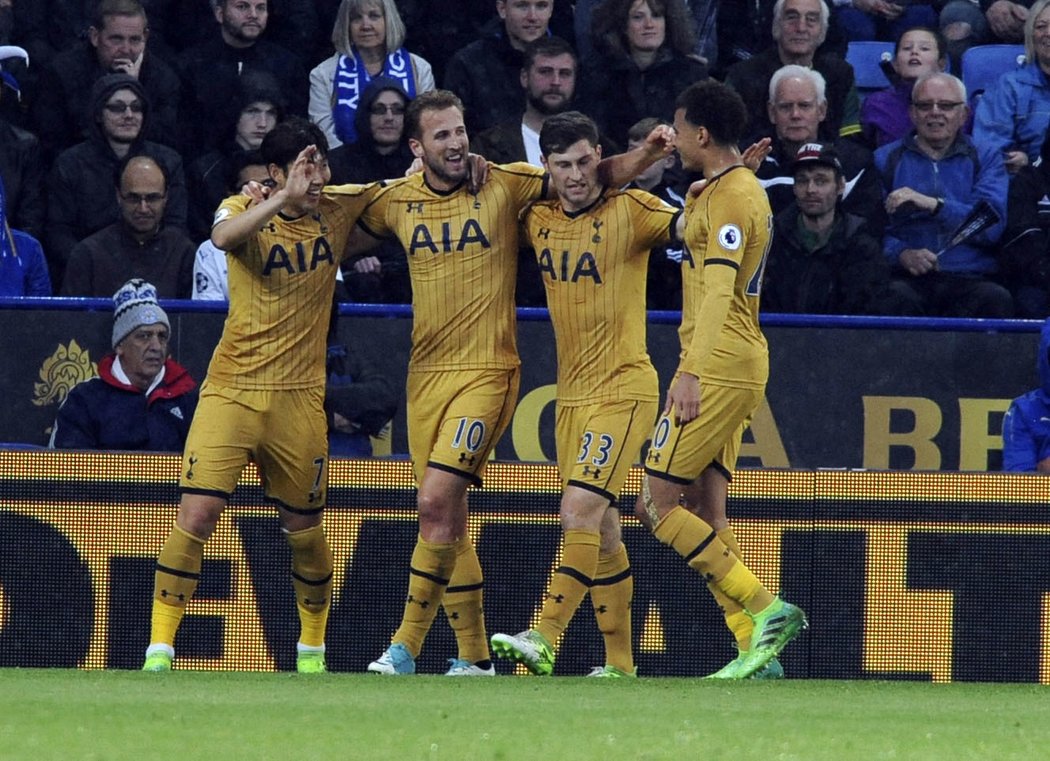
x: 368, y: 36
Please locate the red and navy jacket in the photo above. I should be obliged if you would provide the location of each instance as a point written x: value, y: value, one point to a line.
x: 104, y: 413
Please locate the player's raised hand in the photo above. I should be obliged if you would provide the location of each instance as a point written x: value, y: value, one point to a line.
x: 301, y: 174
x: 756, y: 153
x: 683, y: 398
x: 660, y: 142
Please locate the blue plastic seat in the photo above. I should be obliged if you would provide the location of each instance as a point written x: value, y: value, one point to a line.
x: 982, y: 65
x: 865, y: 57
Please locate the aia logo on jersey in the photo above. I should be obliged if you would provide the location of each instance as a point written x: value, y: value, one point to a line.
x: 729, y: 237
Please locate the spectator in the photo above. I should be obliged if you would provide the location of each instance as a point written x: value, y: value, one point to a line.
x: 548, y: 78
x: 62, y: 110
x: 209, y: 265
x: 882, y: 19
x: 644, y: 58
x: 359, y: 400
x: 138, y: 245
x: 368, y: 37
x: 256, y: 108
x: 824, y: 260
x: 22, y: 166
x: 23, y: 269
x: 1026, y: 426
x: 1013, y: 116
x: 81, y: 200
x: 932, y: 180
x: 799, y: 27
x: 486, y: 74
x: 797, y: 107
x: 884, y: 114
x: 211, y: 70
x: 664, y: 276
x: 381, y: 275
x: 1025, y: 253
x: 142, y: 399
x: 703, y: 17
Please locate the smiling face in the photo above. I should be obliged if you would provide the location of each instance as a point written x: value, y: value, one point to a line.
x: 1041, y: 39
x: 917, y: 54
x: 646, y: 29
x: 799, y: 31
x: 938, y: 111
x: 121, y: 116
x: 687, y: 140
x: 443, y: 146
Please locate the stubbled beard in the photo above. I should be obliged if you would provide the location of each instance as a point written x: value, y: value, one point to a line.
x: 543, y: 108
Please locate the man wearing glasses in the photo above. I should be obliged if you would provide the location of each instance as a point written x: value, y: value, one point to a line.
x: 932, y: 179
x: 80, y: 196
x: 138, y: 244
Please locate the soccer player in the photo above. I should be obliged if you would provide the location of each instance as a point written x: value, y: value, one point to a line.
x: 722, y: 370
x: 463, y: 371
x: 264, y: 393
x: 592, y: 245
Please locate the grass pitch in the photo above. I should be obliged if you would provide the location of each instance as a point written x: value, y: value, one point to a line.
x: 186, y: 716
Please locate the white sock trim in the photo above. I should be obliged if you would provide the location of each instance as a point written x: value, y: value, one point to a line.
x: 301, y: 648
x: 160, y: 647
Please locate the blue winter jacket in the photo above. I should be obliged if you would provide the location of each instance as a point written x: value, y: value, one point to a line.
x: 1026, y: 427
x: 966, y: 174
x: 1013, y: 114
x: 23, y: 271
x: 104, y: 413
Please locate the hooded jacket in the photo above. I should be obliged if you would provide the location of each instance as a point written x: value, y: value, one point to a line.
x: 82, y: 195
x: 360, y: 162
x: 106, y: 413
x: 1026, y: 426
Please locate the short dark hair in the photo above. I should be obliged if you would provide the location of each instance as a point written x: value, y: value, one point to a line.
x: 287, y: 140
x: 434, y: 100
x: 717, y: 108
x: 108, y: 8
x: 237, y: 163
x: 122, y: 166
x: 563, y: 130
x: 641, y: 128
x: 938, y: 38
x: 548, y: 47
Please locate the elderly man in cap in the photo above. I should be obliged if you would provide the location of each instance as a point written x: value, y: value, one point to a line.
x: 142, y: 399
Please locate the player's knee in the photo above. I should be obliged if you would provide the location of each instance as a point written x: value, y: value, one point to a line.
x: 434, y: 509
x: 199, y: 515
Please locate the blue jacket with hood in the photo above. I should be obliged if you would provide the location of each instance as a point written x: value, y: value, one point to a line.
x: 1026, y: 427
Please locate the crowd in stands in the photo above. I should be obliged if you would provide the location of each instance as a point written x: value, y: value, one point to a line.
x: 123, y: 123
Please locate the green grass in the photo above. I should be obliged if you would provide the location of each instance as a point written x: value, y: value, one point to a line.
x: 65, y: 714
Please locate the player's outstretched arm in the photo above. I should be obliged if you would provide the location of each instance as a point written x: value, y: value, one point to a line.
x: 619, y: 170
x: 232, y: 231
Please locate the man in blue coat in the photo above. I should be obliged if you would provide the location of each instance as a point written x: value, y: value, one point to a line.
x: 142, y: 399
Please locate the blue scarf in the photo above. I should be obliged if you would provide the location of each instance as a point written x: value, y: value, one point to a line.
x: 351, y: 79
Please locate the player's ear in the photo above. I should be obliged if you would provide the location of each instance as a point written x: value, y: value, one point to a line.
x: 416, y: 147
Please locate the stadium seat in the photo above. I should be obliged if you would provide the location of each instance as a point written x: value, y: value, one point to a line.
x: 865, y: 57
x: 982, y: 65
